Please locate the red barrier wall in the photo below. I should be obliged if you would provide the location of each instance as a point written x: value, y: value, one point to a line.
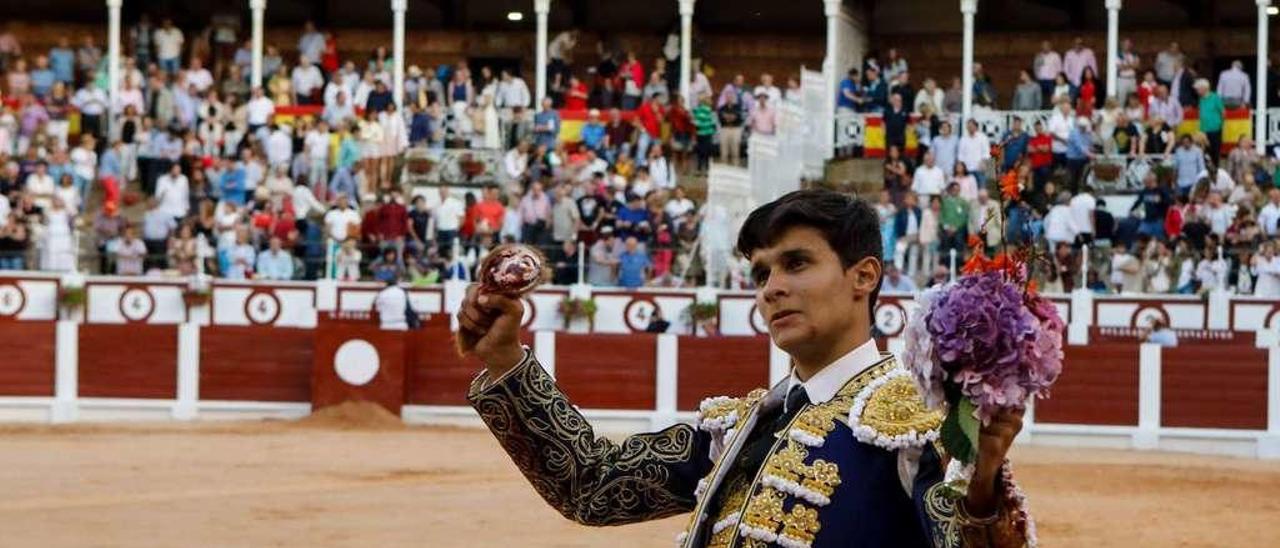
x: 271, y: 364
x: 437, y: 375
x: 386, y: 388
x: 1214, y: 386
x: 1099, y: 385
x: 608, y: 371
x: 128, y: 361
x: 28, y: 365
x: 720, y: 366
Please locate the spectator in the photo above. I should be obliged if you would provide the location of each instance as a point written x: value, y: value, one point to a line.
x: 633, y: 265
x: 896, y: 118
x: 605, y: 255
x: 849, y: 96
x: 1028, y: 95
x: 1077, y: 59
x: 974, y: 150
x: 386, y: 268
x: 1189, y: 164
x: 954, y: 221
x: 168, y: 40
x: 347, y: 261
x: 448, y: 215
x: 944, y: 147
x: 1168, y: 62
x: 929, y: 180
x: 1047, y: 65
x: 930, y: 96
x: 130, y: 253
x: 173, y: 193
x: 1234, y: 87
x: 546, y: 125
x: 1127, y: 66
x: 1212, y: 111
x: 895, y: 282
x: 731, y: 119
x: 392, y: 304
x: 1079, y: 151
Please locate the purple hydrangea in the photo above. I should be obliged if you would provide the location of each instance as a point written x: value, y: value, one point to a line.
x: 983, y: 335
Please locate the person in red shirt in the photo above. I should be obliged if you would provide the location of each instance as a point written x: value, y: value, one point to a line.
x: 650, y: 118
x: 681, y: 132
x: 329, y: 59
x: 1040, y: 152
x: 393, y: 222
x: 576, y: 98
x: 489, y: 212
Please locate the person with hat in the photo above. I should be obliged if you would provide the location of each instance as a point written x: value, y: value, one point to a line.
x: 593, y: 132
x: 601, y: 272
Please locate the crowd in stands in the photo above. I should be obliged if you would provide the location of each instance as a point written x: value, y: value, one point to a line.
x: 192, y: 170
x: 1204, y: 219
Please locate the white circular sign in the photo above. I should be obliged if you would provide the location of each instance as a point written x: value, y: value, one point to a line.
x: 890, y: 319
x: 11, y: 300
x: 356, y: 362
x: 262, y: 308
x: 137, y: 304
x: 757, y: 321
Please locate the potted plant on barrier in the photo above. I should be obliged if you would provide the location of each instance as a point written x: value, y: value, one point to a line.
x: 704, y: 315
x: 470, y: 166
x: 573, y: 309
x: 71, y: 298
x: 196, y: 296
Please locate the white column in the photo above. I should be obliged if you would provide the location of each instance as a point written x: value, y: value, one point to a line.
x: 542, y: 8
x: 832, y: 70
x: 66, y: 372
x: 113, y: 55
x: 544, y: 349
x: 666, y: 381
x: 686, y: 51
x: 1113, y: 44
x: 1260, y: 89
x: 398, y: 8
x: 1147, y: 435
x: 188, y: 396
x: 968, y: 8
x: 257, y: 8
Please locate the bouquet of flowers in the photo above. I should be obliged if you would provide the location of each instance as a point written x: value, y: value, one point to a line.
x: 983, y: 343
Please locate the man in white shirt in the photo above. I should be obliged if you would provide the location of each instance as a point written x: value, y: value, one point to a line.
x: 340, y: 111
x: 5, y: 208
x: 1060, y: 124
x: 174, y: 193
x: 311, y: 44
x: 339, y: 219
x: 448, y: 215
x: 391, y: 303
x: 307, y: 80
x: 1270, y: 213
x: 1047, y: 65
x: 259, y: 110
x: 40, y: 186
x: 199, y: 76
x: 1058, y: 226
x: 1082, y: 208
x: 974, y: 150
x: 316, y: 146
x: 512, y: 92
x: 1234, y: 86
x: 279, y: 147
x: 168, y: 40
x: 929, y: 180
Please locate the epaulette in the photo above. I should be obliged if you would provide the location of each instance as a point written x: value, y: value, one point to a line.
x: 719, y: 415
x: 890, y: 413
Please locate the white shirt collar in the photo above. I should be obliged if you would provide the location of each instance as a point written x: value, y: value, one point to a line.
x: 824, y: 385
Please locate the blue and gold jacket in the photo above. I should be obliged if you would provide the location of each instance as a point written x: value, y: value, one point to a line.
x: 857, y: 470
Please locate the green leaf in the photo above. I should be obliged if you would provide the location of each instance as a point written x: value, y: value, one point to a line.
x: 953, y: 437
x: 968, y: 423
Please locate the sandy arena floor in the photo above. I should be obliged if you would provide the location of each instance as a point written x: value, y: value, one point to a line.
x: 271, y: 484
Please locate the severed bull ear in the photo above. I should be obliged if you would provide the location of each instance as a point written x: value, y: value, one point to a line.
x: 510, y: 270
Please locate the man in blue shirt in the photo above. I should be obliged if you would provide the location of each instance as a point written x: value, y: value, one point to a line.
x: 62, y: 59
x: 275, y: 263
x: 42, y: 77
x: 546, y: 125
x: 847, y: 99
x: 593, y: 132
x: 1015, y: 144
x: 1079, y: 151
x: 633, y: 265
x: 232, y: 183
x: 877, y: 94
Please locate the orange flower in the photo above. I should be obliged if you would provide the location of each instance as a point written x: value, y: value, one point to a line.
x: 975, y: 242
x: 1009, y: 185
x: 977, y: 264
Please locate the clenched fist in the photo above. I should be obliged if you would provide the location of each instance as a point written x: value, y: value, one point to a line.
x: 489, y: 329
